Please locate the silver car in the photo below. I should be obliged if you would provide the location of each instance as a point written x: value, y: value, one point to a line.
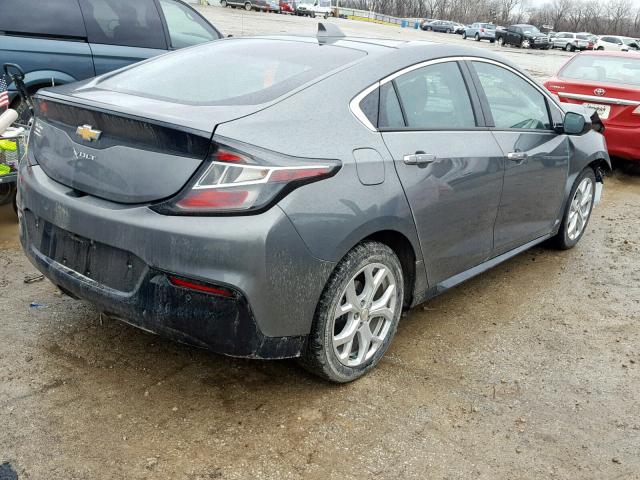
x: 218, y: 216
x: 572, y: 41
x: 480, y: 31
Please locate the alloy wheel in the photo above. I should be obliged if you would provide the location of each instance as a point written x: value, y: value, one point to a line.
x: 364, y: 315
x: 580, y: 209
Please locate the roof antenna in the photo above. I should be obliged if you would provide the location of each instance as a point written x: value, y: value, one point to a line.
x: 328, y: 32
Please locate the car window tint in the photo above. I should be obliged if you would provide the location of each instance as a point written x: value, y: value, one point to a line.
x: 597, y: 68
x: 123, y: 22
x: 390, y: 115
x: 436, y: 97
x: 186, y: 28
x: 513, y: 101
x: 242, y: 71
x: 59, y: 18
x: 369, y: 106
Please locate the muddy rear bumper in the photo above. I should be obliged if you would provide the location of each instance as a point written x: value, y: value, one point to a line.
x: 277, y: 282
x: 221, y: 324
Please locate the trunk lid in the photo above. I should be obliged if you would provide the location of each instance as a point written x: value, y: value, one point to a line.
x: 615, y: 104
x: 134, y: 150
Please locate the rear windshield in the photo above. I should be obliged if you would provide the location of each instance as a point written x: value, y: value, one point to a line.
x: 583, y: 37
x: 489, y: 26
x: 55, y: 18
x: 232, y: 72
x: 625, y: 70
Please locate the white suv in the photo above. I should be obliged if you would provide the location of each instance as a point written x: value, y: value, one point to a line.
x: 312, y: 8
x: 616, y: 43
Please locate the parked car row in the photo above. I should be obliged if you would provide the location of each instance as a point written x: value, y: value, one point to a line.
x: 529, y: 36
x: 309, y: 8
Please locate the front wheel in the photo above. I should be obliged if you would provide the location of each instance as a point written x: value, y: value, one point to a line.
x: 501, y: 42
x: 223, y: 3
x: 357, y: 315
x: 464, y: 35
x: 247, y: 7
x: 525, y: 44
x: 577, y: 211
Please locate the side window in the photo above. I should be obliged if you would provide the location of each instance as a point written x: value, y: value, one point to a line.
x: 57, y: 18
x: 185, y: 27
x: 369, y: 106
x: 390, y: 113
x: 123, y: 22
x: 436, y: 97
x: 513, y: 101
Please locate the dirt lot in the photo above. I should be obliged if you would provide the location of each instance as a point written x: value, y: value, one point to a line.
x: 530, y: 371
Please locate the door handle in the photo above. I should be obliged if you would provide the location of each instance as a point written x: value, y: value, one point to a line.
x: 517, y: 156
x: 419, y: 158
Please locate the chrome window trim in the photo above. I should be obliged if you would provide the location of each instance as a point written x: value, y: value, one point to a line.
x: 354, y: 105
x: 595, y: 99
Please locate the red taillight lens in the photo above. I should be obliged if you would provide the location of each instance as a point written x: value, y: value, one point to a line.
x: 200, y: 287
x: 236, y: 181
x: 482, y: 30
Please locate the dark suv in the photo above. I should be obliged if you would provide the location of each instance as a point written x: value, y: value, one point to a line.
x: 523, y: 36
x: 60, y: 41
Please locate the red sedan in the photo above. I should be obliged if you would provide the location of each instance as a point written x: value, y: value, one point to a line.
x: 608, y: 82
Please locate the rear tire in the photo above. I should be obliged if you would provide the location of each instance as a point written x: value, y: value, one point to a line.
x: 247, y: 7
x: 347, y: 338
x: 577, y: 211
x: 464, y: 35
x: 223, y: 3
x: 477, y: 37
x: 501, y: 42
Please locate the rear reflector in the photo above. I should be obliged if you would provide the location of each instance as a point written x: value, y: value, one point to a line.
x: 200, y: 287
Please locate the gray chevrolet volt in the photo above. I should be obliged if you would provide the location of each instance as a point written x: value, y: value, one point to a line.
x: 278, y: 197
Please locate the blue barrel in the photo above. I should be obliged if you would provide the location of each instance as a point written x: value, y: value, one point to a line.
x: 404, y: 24
x: 416, y: 24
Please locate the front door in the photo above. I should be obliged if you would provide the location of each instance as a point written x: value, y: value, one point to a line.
x: 536, y: 157
x: 122, y: 32
x: 450, y: 167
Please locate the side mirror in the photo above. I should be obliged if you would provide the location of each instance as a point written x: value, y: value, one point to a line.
x: 575, y: 124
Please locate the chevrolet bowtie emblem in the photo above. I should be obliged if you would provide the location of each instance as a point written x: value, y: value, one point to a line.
x: 87, y: 133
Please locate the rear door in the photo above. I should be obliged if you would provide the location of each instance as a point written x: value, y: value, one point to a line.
x: 536, y: 157
x: 46, y: 37
x: 451, y: 167
x: 121, y: 32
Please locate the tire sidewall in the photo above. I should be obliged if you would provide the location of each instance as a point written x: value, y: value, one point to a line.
x: 363, y: 255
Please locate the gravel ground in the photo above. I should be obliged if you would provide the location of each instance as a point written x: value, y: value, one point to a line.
x: 529, y: 371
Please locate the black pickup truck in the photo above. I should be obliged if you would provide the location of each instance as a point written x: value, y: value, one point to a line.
x: 523, y: 36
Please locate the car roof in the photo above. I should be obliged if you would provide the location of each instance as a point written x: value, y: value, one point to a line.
x: 606, y: 53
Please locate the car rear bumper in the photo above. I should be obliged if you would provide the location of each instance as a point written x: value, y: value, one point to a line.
x: 623, y: 141
x: 120, y: 260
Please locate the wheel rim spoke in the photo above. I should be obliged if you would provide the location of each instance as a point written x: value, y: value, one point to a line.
x: 365, y: 314
x: 580, y: 208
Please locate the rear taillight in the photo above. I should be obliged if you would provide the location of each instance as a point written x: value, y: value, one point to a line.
x: 240, y: 178
x: 482, y: 30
